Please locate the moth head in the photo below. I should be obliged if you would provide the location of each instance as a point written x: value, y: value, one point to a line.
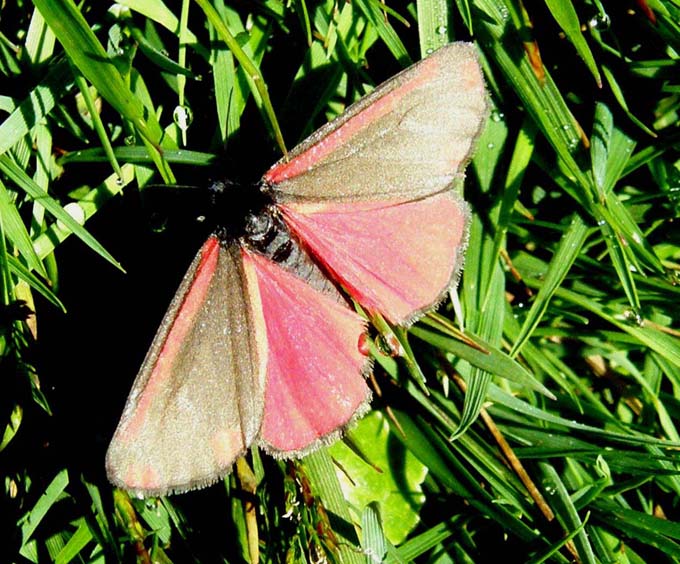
x: 238, y: 210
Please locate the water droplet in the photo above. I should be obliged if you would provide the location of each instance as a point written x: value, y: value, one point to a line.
x: 119, y: 181
x: 675, y: 277
x: 490, y: 146
x: 13, y: 489
x: 634, y: 317
x: 429, y: 51
x: 76, y: 212
x: 497, y: 116
x: 600, y: 22
x: 442, y: 29
x: 183, y: 116
x: 364, y: 347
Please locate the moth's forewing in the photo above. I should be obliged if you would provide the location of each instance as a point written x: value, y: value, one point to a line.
x: 397, y: 259
x: 410, y: 138
x: 197, y: 402
x: 315, y: 383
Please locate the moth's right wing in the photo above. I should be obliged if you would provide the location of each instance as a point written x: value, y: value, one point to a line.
x: 198, y: 401
x: 369, y: 194
x: 408, y: 139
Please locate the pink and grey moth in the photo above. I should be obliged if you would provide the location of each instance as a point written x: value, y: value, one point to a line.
x: 259, y: 345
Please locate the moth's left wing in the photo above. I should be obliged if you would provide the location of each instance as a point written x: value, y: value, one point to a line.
x: 197, y: 402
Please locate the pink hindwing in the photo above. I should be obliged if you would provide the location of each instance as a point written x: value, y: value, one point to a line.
x: 393, y: 258
x: 315, y: 385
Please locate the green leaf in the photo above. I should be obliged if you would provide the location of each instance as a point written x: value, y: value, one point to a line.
x: 390, y: 476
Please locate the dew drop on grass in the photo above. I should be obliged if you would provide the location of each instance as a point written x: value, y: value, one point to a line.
x: 600, y: 22
x: 76, y: 212
x: 634, y: 317
x: 183, y: 116
x: 497, y: 116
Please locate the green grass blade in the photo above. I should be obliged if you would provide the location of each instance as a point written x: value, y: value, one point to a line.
x: 565, y: 14
x: 34, y: 191
x: 34, y: 516
x: 253, y: 73
x: 89, y: 56
x: 483, y: 356
x: 433, y: 25
x: 322, y: 474
x: 35, y: 107
x: 568, y: 251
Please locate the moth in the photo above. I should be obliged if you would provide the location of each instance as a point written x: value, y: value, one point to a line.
x: 260, y: 345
